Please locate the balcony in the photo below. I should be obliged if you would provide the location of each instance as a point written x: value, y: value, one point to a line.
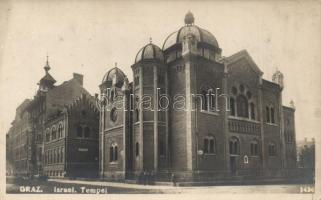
x: 244, y: 126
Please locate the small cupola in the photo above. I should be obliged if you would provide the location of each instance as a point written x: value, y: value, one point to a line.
x: 150, y: 52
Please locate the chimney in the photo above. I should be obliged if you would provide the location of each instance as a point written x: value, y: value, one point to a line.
x: 79, y: 78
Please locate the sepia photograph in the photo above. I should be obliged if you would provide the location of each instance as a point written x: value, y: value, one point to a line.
x: 159, y: 97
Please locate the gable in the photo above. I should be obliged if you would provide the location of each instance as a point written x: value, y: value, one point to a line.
x: 242, y: 59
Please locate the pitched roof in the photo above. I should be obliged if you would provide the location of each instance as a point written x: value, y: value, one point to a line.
x: 47, y: 77
x: 64, y: 94
x: 243, y: 54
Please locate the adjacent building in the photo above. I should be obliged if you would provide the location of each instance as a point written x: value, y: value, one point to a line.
x: 55, y: 133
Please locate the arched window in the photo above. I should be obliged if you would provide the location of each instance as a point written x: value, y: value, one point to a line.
x: 47, y: 135
x: 53, y: 133
x: 254, y: 148
x: 252, y: 110
x: 211, y: 100
x: 60, y: 130
x: 113, y: 153
x: 232, y: 107
x: 209, y: 145
x: 234, y: 146
x: 272, y: 149
x: 242, y: 106
x: 79, y: 131
x: 272, y: 115
x: 87, y: 132
x: 137, y: 149
x: 267, y: 112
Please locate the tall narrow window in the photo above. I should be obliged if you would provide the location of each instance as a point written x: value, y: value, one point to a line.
x: 53, y: 133
x: 252, y: 110
x: 62, y: 155
x: 232, y: 106
x: 211, y: 100
x: 111, y: 154
x: 60, y: 130
x: 272, y: 115
x: 79, y: 131
x: 48, y: 135
x: 116, y: 153
x: 137, y: 149
x: 254, y: 148
x: 267, y: 112
x: 212, y: 146
x: 242, y: 106
x: 234, y: 146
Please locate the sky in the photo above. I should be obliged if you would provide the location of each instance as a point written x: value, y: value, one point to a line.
x: 88, y: 37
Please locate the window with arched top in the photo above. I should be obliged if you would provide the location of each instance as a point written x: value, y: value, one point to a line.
x: 234, y: 146
x: 242, y: 106
x: 209, y: 145
x: 113, y: 154
x: 254, y: 148
x: 211, y: 100
x: 60, y: 130
x: 53, y: 133
x: 232, y: 106
x: 270, y: 114
x: 137, y: 149
x: 47, y: 135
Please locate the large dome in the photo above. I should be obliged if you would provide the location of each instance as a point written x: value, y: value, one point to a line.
x: 115, y: 74
x: 201, y: 35
x: 149, y: 52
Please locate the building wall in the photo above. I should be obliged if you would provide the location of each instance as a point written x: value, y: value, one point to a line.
x: 82, y: 150
x: 290, y: 137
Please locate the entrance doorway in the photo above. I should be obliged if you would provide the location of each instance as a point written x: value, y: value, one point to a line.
x: 233, y: 165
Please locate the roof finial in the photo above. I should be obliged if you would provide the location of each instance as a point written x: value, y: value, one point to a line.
x: 150, y: 40
x: 47, y: 67
x: 115, y: 64
x: 189, y: 18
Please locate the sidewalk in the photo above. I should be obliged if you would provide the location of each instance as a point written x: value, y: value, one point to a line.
x: 114, y: 184
x: 280, y: 188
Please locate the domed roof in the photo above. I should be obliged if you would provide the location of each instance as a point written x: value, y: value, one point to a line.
x: 149, y: 51
x: 201, y: 35
x: 115, y: 74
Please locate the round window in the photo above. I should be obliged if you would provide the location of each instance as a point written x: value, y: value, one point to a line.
x: 113, y: 115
